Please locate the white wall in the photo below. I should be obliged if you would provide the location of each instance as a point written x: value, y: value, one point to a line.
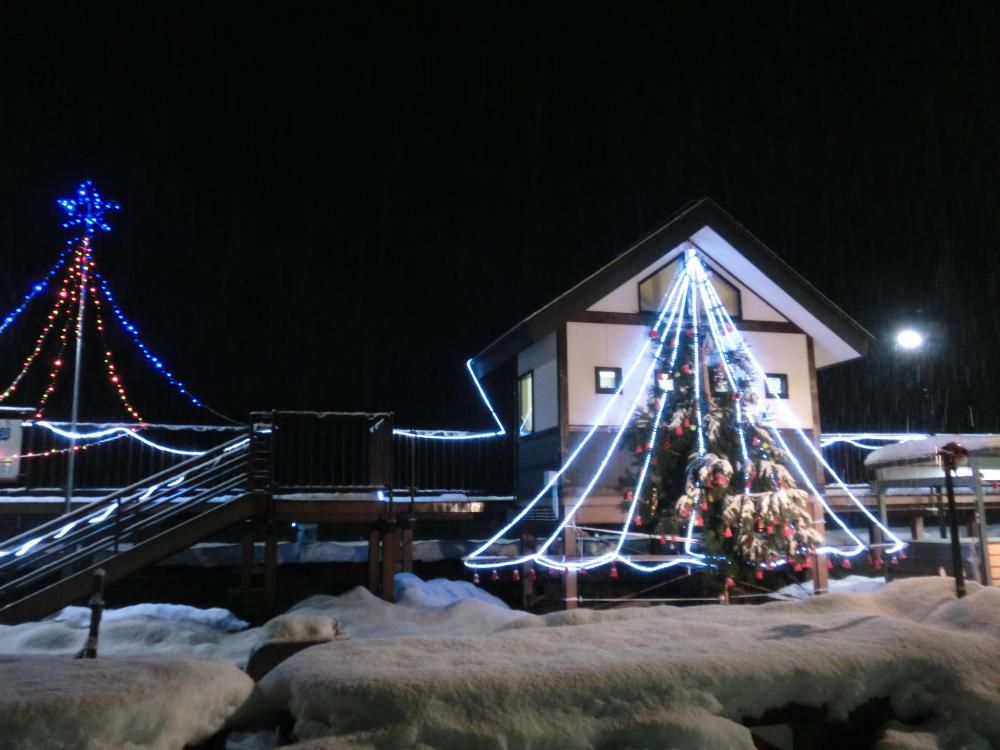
x: 625, y: 298
x: 540, y: 358
x: 591, y: 345
x: 784, y: 353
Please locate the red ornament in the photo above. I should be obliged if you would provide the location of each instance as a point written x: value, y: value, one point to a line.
x: 614, y: 572
x: 699, y: 522
x: 797, y: 567
x: 689, y: 333
x: 721, y: 481
x: 846, y: 564
x: 728, y: 533
x: 638, y: 449
x: 687, y: 422
x: 686, y: 368
x: 770, y: 529
x: 703, y: 506
x: 663, y: 539
x: 730, y: 583
x: 583, y: 571
x: 902, y: 555
x: 829, y: 564
x: 517, y: 575
x: 494, y: 576
x: 654, y: 334
x: 755, y: 442
x: 877, y: 563
x: 759, y: 575
x: 678, y: 431
x: 532, y: 575
x: 789, y: 532
x: 628, y: 495
x: 638, y: 520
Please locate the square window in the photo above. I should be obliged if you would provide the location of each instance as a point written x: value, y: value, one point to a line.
x: 607, y: 379
x: 776, y: 385
x: 526, y: 403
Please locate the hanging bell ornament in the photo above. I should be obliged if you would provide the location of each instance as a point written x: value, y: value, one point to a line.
x: 614, y: 572
x: 517, y: 575
x: 494, y: 576
x: 475, y: 578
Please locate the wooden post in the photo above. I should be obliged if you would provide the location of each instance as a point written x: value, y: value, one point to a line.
x: 917, y: 526
x: 570, y: 591
x: 375, y: 560
x: 820, y: 576
x: 390, y: 556
x: 246, y: 560
x: 407, y: 549
x: 981, y: 529
x: 528, y: 544
x: 270, y: 569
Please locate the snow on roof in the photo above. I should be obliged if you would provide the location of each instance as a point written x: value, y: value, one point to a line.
x: 924, y: 449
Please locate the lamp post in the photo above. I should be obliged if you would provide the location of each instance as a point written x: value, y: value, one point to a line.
x: 85, y: 210
x: 949, y: 455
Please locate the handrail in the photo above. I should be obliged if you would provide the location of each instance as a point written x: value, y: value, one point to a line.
x: 85, y: 510
x: 192, y: 478
x: 131, y: 507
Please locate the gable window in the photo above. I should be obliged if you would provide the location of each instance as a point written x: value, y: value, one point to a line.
x: 777, y: 385
x: 607, y: 379
x: 526, y: 403
x: 654, y: 287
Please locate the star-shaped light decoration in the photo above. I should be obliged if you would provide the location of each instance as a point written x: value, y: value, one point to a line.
x: 87, y: 208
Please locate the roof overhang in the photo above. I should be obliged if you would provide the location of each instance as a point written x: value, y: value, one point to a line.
x: 837, y: 337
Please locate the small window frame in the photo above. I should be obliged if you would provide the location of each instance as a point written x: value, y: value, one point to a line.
x: 783, y: 378
x: 597, y: 379
x: 528, y: 376
x: 713, y: 271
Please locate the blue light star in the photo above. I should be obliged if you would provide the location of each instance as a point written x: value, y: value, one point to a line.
x: 86, y: 209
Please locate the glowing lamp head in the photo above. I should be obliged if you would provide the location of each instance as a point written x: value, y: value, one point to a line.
x: 909, y: 339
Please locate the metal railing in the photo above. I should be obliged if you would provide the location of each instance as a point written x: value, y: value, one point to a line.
x: 125, y: 517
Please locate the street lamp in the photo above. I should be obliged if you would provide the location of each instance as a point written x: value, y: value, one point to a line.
x: 909, y: 339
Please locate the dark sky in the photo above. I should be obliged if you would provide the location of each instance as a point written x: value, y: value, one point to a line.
x: 332, y: 208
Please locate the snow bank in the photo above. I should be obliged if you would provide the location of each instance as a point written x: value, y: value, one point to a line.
x: 660, y: 676
x: 412, y: 591
x: 52, y: 703
x: 850, y: 584
x: 927, y: 448
x: 215, y: 618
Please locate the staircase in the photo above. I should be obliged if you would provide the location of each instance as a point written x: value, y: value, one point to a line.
x: 52, y: 565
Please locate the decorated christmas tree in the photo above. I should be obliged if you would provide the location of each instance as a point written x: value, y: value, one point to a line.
x: 706, y: 461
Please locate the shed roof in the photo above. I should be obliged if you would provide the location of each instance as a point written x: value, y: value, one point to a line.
x: 837, y: 336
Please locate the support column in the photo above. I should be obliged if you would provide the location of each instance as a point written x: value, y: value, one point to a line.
x: 246, y: 560
x: 374, y: 560
x: 917, y: 526
x: 390, y: 558
x: 570, y: 591
x: 270, y: 569
x: 982, y: 532
x: 407, y: 549
x: 819, y: 572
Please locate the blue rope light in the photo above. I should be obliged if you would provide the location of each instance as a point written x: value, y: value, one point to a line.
x: 36, y: 289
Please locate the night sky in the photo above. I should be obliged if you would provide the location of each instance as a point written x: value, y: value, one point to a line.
x: 333, y: 208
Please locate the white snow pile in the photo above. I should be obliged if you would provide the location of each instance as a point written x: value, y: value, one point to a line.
x: 135, y: 630
x: 848, y: 584
x: 215, y: 618
x: 158, y: 703
x: 656, y: 677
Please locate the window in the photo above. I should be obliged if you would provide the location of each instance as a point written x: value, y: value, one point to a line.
x: 526, y: 403
x: 607, y: 379
x: 777, y: 385
x: 652, y: 289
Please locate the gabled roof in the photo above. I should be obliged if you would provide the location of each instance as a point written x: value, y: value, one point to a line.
x: 713, y: 229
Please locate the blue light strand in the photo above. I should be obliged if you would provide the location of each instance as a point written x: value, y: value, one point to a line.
x: 36, y: 289
x: 155, y: 361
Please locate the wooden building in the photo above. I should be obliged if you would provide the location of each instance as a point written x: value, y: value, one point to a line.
x: 566, y: 360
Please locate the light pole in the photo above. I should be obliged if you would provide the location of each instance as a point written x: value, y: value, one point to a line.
x: 85, y: 210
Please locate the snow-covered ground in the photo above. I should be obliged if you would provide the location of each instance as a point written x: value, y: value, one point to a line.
x: 449, y: 666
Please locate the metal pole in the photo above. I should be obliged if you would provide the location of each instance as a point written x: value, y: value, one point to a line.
x: 75, y: 413
x: 948, y: 453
